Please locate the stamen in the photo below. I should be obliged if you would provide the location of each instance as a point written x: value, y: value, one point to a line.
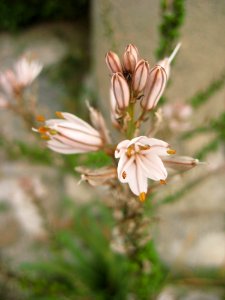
x: 171, y: 151
x: 124, y: 174
x: 45, y: 137
x: 130, y: 150
x: 142, y: 197
x: 43, y: 129
x: 162, y: 181
x: 53, y: 132
x: 40, y: 118
x: 145, y: 147
x: 59, y: 114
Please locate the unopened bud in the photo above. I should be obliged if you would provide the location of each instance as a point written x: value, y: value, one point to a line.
x: 133, y: 50
x: 165, y: 63
x: 102, y: 176
x: 140, y: 75
x: 154, y: 87
x: 129, y: 61
x: 120, y: 90
x: 113, y: 62
x: 180, y: 163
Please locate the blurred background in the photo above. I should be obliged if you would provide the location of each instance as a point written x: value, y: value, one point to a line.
x: 39, y: 190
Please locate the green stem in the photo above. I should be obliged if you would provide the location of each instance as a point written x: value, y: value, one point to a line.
x: 131, y: 123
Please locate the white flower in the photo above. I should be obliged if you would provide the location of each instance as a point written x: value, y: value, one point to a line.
x: 70, y: 135
x: 140, y: 160
x: 26, y: 71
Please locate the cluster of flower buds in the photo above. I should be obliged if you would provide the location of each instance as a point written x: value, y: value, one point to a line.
x: 140, y: 157
x: 134, y: 81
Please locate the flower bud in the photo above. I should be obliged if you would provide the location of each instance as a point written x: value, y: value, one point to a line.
x: 134, y: 51
x: 113, y: 62
x: 99, y: 123
x: 140, y: 75
x: 120, y: 90
x: 180, y: 163
x: 165, y: 63
x: 102, y: 176
x: 154, y: 88
x: 116, y: 114
x: 129, y: 61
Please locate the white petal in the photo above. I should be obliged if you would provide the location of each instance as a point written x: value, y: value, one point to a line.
x: 136, y: 179
x: 121, y: 148
x: 76, y: 145
x: 157, y: 150
x: 77, y: 121
x: 59, y: 147
x: 157, y: 142
x: 80, y: 137
x: 124, y: 166
x: 153, y: 167
x: 63, y: 150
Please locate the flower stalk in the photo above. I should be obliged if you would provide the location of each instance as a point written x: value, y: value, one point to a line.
x: 137, y: 157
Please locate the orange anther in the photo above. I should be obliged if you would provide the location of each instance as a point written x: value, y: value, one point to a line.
x: 53, y: 132
x: 42, y: 129
x: 40, y: 118
x: 145, y: 147
x: 124, y: 174
x: 130, y: 150
x: 59, y: 114
x: 45, y: 137
x: 171, y: 151
x: 162, y: 181
x: 142, y: 197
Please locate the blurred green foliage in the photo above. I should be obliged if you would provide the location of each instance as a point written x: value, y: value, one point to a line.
x: 80, y: 264
x: 18, y: 14
x: 172, y: 18
x: 201, y: 97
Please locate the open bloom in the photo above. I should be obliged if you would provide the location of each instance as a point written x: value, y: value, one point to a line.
x: 70, y: 135
x: 26, y: 70
x: 22, y: 75
x: 139, y: 159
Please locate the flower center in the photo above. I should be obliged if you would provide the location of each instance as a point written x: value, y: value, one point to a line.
x: 135, y: 149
